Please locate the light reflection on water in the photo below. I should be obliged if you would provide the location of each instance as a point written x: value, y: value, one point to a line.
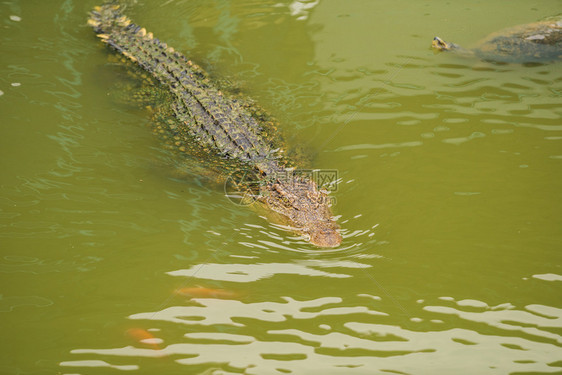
x: 347, y: 334
x: 361, y: 345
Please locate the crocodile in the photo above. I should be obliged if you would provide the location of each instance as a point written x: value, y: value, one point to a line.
x: 215, y: 121
x: 537, y: 42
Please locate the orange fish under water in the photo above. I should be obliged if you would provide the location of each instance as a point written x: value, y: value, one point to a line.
x: 145, y: 337
x: 201, y: 292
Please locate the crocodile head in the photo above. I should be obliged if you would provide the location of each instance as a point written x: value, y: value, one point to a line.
x: 305, y: 208
x: 441, y: 45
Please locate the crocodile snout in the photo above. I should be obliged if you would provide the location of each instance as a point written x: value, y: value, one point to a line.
x: 325, y: 238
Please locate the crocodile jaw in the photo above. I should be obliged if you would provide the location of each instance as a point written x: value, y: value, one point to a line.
x: 325, y: 237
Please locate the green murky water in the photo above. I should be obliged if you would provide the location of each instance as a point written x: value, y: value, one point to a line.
x: 449, y: 198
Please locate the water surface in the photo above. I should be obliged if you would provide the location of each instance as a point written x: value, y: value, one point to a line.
x: 448, y: 198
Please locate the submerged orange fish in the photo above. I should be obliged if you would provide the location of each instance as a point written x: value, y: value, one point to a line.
x: 201, y: 292
x: 145, y: 337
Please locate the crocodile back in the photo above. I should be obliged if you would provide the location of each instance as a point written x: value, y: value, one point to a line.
x: 212, y: 118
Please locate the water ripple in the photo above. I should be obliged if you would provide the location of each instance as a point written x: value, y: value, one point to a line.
x: 509, y: 319
x: 361, y: 345
x: 254, y: 272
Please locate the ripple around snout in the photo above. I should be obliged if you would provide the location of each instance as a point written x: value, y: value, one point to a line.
x: 278, y: 238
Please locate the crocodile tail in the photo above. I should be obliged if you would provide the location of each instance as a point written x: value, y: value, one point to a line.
x: 107, y: 19
x: 111, y: 26
x: 214, y: 119
x: 134, y: 42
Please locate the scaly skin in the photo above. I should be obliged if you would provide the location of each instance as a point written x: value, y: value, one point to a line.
x: 530, y: 43
x: 219, y: 123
